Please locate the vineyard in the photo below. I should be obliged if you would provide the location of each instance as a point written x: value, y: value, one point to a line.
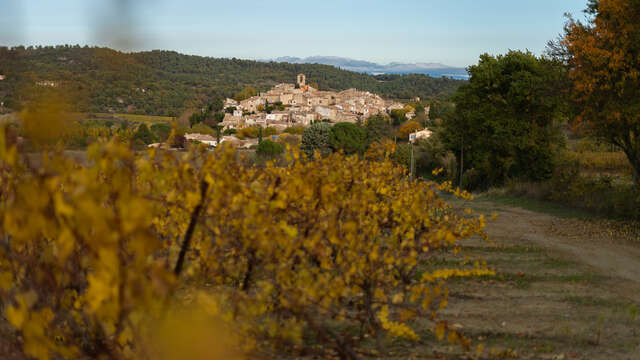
x: 199, y: 255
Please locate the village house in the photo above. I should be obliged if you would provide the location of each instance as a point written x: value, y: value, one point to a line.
x: 305, y: 118
x: 47, y: 83
x: 304, y: 105
x: 396, y: 106
x: 228, y: 102
x: 278, y: 116
x: 422, y: 134
x: 203, y: 138
x: 251, y: 104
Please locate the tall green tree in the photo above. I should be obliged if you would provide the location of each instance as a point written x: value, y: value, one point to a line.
x: 378, y: 127
x: 348, y: 137
x: 604, y: 63
x: 317, y: 137
x: 504, y: 122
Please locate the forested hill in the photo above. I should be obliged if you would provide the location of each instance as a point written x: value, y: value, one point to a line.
x: 167, y: 83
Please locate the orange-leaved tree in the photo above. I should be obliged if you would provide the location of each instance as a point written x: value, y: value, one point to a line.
x: 408, y: 128
x: 604, y: 62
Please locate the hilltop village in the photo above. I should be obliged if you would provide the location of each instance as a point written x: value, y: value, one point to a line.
x: 300, y: 105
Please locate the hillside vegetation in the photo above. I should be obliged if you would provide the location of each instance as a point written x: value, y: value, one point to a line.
x: 166, y: 82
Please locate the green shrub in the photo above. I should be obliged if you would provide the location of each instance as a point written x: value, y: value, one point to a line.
x: 144, y: 135
x: 431, y: 154
x: 161, y: 131
x: 269, y: 148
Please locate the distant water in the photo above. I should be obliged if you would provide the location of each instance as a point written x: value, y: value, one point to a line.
x: 455, y: 73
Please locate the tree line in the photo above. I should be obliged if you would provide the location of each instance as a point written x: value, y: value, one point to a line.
x: 167, y: 83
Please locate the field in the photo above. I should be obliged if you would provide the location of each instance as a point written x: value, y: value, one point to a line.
x: 148, y: 119
x: 592, y: 162
x: 566, y: 288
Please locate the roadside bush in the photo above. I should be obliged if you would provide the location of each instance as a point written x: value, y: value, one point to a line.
x: 431, y: 154
x: 604, y: 195
x: 473, y: 179
x: 348, y: 137
x: 317, y: 137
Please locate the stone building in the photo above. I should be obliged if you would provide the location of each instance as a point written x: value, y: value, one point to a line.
x: 302, y: 80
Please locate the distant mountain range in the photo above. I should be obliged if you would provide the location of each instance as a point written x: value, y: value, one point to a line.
x: 361, y: 66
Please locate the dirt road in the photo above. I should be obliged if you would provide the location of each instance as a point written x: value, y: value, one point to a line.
x: 564, y: 288
x: 606, y: 255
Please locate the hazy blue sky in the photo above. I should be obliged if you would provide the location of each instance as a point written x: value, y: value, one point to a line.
x: 452, y: 32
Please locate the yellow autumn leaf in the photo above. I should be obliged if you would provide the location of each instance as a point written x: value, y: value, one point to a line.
x: 440, y: 330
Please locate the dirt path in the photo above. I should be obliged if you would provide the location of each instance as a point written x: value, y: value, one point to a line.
x: 607, y: 257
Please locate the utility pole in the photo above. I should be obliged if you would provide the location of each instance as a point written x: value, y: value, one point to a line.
x: 412, y: 164
x: 461, y: 159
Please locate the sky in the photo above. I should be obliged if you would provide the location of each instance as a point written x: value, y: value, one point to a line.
x: 452, y: 32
